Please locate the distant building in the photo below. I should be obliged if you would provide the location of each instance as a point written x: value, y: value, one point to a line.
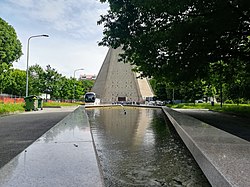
x: 116, y: 82
x: 87, y: 77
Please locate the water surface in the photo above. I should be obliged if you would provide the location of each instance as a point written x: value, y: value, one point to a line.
x: 139, y: 147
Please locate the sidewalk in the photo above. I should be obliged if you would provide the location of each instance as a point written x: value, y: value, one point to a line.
x: 238, y: 126
x: 63, y: 156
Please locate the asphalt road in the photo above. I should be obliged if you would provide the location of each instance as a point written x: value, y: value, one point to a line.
x: 236, y: 125
x: 18, y: 131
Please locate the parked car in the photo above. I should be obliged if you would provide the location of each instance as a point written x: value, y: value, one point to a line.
x: 159, y: 103
x: 199, y: 101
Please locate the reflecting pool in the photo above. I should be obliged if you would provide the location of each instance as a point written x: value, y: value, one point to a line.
x: 139, y: 147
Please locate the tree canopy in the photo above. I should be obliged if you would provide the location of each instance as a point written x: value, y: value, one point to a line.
x: 15, y: 82
x: 178, y: 40
x: 10, y: 46
x: 51, y: 82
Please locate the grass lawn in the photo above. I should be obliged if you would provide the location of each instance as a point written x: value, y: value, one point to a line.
x: 54, y: 104
x: 8, y: 108
x: 20, y: 107
x: 241, y: 109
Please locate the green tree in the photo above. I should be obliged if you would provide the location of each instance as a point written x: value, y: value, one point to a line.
x: 178, y: 39
x: 193, y: 90
x: 47, y: 81
x: 10, y: 50
x: 81, y: 87
x: 237, y: 82
x: 44, y: 81
x: 36, y: 80
x: 65, y: 89
x: 161, y: 92
x: 79, y: 90
x: 52, y: 81
x: 87, y: 85
x: 10, y: 46
x: 3, y: 76
x: 16, y: 82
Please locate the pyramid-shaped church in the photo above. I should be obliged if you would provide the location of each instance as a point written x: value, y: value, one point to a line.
x: 116, y: 82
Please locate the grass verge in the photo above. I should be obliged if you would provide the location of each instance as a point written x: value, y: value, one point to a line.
x: 20, y: 107
x: 241, y: 109
x: 56, y: 104
x: 9, y: 108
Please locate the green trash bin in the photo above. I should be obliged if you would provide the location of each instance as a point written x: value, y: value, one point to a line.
x: 31, y: 103
x: 40, y: 102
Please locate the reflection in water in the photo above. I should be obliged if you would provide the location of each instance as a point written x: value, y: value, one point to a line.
x: 141, y: 148
x: 68, y: 128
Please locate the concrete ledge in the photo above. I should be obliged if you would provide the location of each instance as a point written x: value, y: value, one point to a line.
x: 224, y: 158
x: 119, y: 105
x: 63, y: 156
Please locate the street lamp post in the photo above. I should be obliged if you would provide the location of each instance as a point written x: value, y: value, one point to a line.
x: 27, y: 68
x: 74, y: 82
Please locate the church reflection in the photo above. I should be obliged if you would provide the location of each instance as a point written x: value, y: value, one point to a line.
x: 140, y: 148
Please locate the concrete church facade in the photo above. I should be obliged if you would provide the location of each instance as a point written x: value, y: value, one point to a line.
x: 116, y: 82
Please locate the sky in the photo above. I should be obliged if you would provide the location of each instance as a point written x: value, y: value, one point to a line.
x: 72, y: 28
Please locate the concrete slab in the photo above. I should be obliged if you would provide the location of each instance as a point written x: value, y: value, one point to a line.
x: 223, y: 157
x: 63, y: 156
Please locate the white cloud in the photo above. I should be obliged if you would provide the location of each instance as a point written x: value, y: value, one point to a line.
x: 72, y: 27
x: 23, y: 3
x: 76, y: 18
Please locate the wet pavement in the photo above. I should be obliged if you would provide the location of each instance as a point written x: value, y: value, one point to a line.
x: 139, y: 147
x: 18, y: 131
x: 63, y: 156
